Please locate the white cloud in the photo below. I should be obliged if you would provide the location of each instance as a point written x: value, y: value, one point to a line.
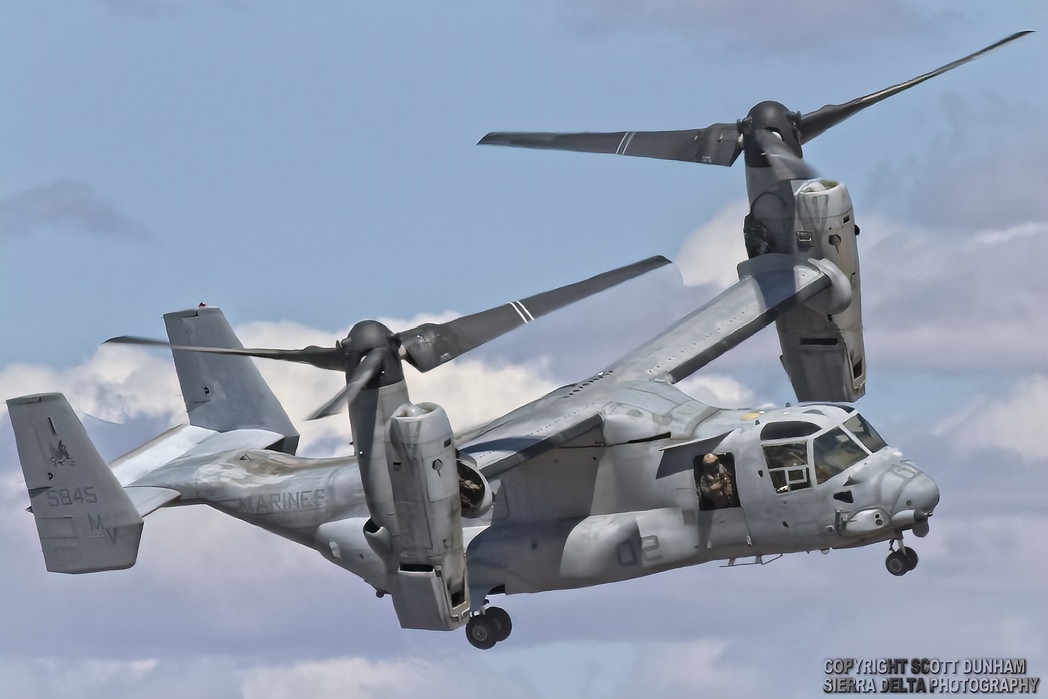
x: 712, y: 251
x: 1010, y: 423
x: 51, y: 677
x: 718, y: 389
x: 116, y: 383
x: 119, y: 383
x: 964, y: 302
x: 471, y: 391
x: 353, y: 677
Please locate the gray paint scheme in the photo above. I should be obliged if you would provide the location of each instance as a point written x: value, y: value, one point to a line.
x: 223, y: 392
x: 85, y: 519
x: 592, y: 483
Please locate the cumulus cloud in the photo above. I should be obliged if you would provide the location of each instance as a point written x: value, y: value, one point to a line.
x: 470, y: 390
x: 720, y: 390
x: 971, y: 301
x: 974, y: 300
x: 710, y: 254
x: 121, y: 383
x: 605, y: 669
x: 48, y: 677
x: 68, y: 206
x: 355, y: 677
x: 1010, y: 423
x: 116, y: 384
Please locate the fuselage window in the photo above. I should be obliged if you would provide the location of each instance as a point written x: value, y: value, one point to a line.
x: 788, y: 466
x: 834, y: 452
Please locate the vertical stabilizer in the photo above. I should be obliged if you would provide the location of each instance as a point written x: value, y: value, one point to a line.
x: 85, y: 520
x: 223, y: 392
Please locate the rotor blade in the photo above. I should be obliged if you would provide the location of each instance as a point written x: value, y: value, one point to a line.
x: 430, y: 345
x: 321, y: 357
x: 365, y: 371
x: 717, y: 144
x: 783, y: 162
x: 815, y: 123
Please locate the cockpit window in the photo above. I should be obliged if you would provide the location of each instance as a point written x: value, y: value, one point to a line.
x: 788, y: 466
x: 858, y: 426
x: 834, y: 452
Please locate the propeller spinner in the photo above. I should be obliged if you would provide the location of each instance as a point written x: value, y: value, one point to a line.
x: 371, y: 355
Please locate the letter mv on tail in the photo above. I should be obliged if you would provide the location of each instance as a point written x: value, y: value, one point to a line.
x: 88, y: 515
x: 85, y: 519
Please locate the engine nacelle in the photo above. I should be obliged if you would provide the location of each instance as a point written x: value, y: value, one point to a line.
x: 821, y: 340
x: 430, y: 590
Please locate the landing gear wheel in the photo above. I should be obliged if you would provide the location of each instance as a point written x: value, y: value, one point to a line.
x: 482, y: 632
x: 911, y: 559
x: 897, y: 563
x: 502, y: 622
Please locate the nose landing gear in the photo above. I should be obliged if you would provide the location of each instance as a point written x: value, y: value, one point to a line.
x: 901, y: 560
x: 489, y: 627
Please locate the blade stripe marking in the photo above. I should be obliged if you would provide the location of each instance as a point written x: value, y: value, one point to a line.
x: 523, y: 312
x: 627, y: 138
x: 513, y: 304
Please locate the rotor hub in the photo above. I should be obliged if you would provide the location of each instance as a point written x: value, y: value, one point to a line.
x: 773, y: 117
x: 370, y: 336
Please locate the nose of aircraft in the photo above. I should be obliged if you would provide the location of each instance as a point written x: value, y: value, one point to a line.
x: 918, y: 498
x: 919, y: 494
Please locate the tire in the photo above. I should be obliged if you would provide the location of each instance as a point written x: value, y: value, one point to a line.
x: 503, y: 624
x: 897, y: 563
x: 481, y: 632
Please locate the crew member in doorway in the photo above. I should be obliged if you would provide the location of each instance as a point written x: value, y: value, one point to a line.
x: 716, y: 489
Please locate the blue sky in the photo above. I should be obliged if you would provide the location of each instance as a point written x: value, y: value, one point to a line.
x: 305, y: 166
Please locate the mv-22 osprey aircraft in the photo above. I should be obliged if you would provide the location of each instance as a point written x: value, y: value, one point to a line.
x: 614, y: 477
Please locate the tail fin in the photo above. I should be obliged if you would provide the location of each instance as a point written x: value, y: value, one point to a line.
x: 85, y: 520
x: 223, y: 392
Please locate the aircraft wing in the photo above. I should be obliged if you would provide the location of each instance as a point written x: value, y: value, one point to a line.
x: 534, y: 429
x: 768, y: 285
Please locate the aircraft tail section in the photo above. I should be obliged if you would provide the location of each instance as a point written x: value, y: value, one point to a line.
x: 85, y: 519
x: 223, y: 392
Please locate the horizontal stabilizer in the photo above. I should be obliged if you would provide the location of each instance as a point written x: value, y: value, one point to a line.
x: 148, y: 499
x: 85, y: 520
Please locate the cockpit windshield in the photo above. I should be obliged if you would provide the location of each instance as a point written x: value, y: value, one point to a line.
x: 834, y: 452
x: 858, y: 426
x: 792, y: 460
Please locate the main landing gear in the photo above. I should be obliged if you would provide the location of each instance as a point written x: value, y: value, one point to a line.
x: 901, y: 560
x: 489, y: 627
